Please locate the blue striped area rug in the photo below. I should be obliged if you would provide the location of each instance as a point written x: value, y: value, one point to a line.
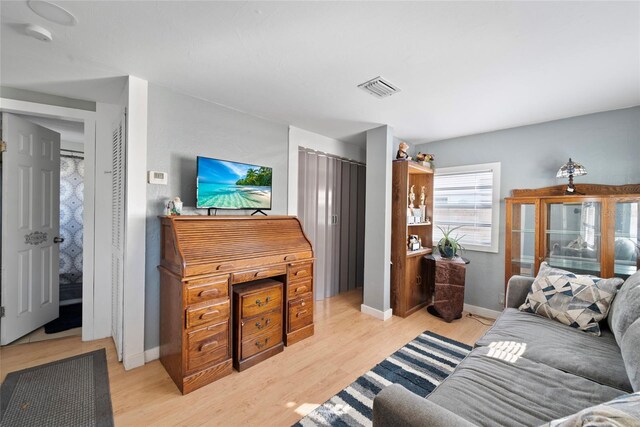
x: 418, y: 366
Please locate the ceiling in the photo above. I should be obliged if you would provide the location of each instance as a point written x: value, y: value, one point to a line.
x: 462, y: 67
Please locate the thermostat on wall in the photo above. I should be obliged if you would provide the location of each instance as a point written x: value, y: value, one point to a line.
x: 154, y: 177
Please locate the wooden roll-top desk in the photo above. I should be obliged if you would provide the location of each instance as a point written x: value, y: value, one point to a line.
x: 202, y: 258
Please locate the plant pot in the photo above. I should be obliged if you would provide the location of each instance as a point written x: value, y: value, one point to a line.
x: 446, y: 251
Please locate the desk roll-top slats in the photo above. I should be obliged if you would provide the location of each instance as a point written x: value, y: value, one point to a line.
x: 202, y: 258
x: 206, y: 246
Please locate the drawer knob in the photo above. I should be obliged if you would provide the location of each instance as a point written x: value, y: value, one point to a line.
x: 300, y: 273
x: 209, y: 292
x: 302, y: 304
x: 210, y: 313
x: 261, y: 303
x: 262, y: 344
x: 301, y: 313
x: 206, y: 345
x: 260, y: 325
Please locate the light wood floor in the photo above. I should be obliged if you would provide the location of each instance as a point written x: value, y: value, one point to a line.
x: 278, y: 391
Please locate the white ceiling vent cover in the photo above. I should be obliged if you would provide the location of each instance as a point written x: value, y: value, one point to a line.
x: 379, y: 87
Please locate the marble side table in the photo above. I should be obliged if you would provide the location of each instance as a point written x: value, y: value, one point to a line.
x: 448, y: 291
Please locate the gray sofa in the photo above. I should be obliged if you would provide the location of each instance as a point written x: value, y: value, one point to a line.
x: 561, y: 371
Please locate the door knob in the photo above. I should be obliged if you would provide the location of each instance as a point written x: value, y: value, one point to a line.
x: 58, y: 239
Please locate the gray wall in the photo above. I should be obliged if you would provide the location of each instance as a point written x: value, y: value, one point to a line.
x: 180, y: 128
x: 607, y: 144
x: 377, y: 234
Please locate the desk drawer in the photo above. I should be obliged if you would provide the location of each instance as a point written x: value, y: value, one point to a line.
x: 300, y: 312
x: 260, y: 324
x: 199, y: 315
x: 259, y: 302
x: 207, y: 289
x: 296, y: 289
x: 259, y: 273
x: 300, y: 271
x: 261, y: 342
x: 207, y: 345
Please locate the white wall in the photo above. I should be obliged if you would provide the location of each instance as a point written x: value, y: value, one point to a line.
x: 71, y: 145
x: 303, y: 138
x: 136, y: 208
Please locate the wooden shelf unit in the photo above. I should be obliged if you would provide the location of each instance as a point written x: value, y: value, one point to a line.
x: 409, y: 290
x: 203, y: 260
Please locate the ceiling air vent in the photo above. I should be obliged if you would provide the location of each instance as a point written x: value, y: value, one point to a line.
x: 379, y: 87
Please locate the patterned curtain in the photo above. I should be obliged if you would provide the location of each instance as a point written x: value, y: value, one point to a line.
x: 71, y: 204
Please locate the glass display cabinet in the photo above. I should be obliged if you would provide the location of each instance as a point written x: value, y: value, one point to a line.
x: 596, y: 233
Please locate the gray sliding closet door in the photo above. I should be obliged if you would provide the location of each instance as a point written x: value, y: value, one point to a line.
x: 362, y: 188
x: 337, y: 226
x: 331, y: 209
x: 320, y: 265
x: 353, y: 223
x: 344, y: 230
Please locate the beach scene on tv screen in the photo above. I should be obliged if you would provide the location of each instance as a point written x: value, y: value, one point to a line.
x: 223, y: 184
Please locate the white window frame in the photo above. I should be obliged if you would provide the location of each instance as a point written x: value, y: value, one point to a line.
x: 495, y: 201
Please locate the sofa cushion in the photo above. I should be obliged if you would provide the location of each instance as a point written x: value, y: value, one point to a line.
x: 562, y: 347
x: 573, y: 299
x: 623, y: 411
x: 488, y: 391
x: 630, y: 347
x: 625, y: 308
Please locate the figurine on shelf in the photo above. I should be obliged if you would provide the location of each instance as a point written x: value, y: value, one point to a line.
x: 402, y: 152
x: 412, y: 197
x: 423, y: 207
x: 175, y: 206
x: 425, y: 159
x: 414, y: 242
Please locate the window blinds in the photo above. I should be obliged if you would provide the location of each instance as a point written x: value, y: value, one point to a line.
x: 464, y: 199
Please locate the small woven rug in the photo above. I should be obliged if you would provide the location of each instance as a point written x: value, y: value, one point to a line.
x: 67, y: 392
x: 419, y: 367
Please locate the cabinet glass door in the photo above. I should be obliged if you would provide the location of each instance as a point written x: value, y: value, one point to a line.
x: 523, y: 239
x: 572, y: 236
x: 627, y: 244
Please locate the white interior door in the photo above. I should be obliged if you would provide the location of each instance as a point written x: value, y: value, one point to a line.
x: 30, y: 227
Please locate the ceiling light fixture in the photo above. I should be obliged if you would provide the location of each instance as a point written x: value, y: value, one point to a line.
x: 38, y: 32
x: 52, y: 12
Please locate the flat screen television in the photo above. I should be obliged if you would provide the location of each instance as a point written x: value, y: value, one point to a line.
x: 222, y: 184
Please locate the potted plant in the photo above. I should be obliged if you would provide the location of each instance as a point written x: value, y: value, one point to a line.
x: 449, y: 246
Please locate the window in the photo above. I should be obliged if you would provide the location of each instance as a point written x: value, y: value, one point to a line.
x: 469, y: 197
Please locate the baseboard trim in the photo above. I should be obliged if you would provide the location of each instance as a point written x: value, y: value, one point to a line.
x: 151, y: 354
x: 481, y: 311
x: 134, y: 361
x: 382, y: 315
